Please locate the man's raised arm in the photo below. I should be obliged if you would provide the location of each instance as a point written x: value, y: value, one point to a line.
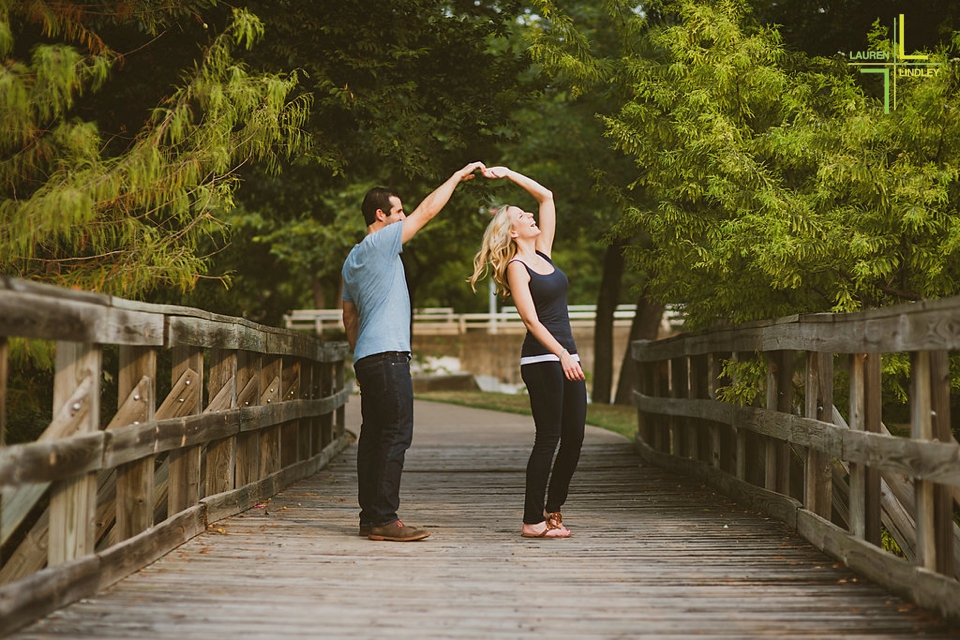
x: 434, y: 202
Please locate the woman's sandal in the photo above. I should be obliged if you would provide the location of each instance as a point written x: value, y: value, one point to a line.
x: 555, y: 521
x: 552, y: 528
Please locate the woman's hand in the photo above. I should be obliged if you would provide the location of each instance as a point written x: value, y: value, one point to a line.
x: 496, y: 172
x: 571, y: 367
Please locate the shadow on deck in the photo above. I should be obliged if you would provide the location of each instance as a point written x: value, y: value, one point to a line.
x: 652, y: 555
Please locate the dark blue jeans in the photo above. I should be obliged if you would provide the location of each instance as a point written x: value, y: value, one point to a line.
x: 559, y: 408
x: 386, y: 406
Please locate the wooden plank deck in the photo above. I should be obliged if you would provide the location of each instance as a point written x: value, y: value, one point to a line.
x: 653, y: 555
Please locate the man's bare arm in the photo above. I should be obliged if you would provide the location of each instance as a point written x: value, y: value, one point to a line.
x: 351, y: 322
x: 434, y: 202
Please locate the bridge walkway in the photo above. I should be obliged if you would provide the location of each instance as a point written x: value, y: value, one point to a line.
x: 653, y: 555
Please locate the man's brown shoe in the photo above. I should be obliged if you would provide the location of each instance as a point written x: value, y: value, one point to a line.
x: 397, y: 532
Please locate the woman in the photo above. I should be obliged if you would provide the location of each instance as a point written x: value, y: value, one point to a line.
x: 518, y: 250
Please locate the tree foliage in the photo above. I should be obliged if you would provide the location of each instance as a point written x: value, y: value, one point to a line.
x: 776, y: 184
x: 404, y: 92
x: 118, y: 210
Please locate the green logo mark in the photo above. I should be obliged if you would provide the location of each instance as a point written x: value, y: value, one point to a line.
x: 902, y: 65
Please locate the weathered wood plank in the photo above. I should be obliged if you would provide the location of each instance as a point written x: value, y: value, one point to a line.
x: 135, y: 481
x: 927, y: 588
x: 925, y: 325
x: 18, y: 500
x: 50, y: 460
x: 652, y: 554
x: 806, y: 432
x: 931, y: 460
x: 4, y: 374
x: 818, y: 467
x: 921, y: 428
x: 944, y: 526
x: 768, y: 501
x: 49, y: 314
x: 138, y: 441
x: 47, y: 590
x: 183, y: 486
x: 234, y: 501
x: 126, y: 557
x: 222, y: 388
x: 73, y: 501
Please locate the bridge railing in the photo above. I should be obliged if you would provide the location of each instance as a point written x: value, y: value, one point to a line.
x: 214, y: 415
x: 836, y: 475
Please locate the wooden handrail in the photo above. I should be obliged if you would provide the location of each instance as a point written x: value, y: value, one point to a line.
x: 250, y: 409
x: 856, y: 475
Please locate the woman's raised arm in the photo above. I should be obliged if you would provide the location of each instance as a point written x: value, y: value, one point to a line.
x: 547, y: 215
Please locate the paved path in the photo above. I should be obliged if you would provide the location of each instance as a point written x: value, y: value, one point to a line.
x: 653, y: 555
x: 437, y: 423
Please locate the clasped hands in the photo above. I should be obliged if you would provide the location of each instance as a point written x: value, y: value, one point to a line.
x: 467, y: 173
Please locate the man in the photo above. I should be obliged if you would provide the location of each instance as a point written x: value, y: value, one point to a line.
x: 376, y: 315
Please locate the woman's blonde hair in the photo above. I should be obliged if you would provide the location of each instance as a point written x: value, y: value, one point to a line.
x: 496, y: 252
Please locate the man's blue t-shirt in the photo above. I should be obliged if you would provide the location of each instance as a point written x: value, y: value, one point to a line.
x: 374, y: 280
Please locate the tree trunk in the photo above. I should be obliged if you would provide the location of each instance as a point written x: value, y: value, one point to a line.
x: 603, y: 326
x: 319, y: 299
x: 645, y: 326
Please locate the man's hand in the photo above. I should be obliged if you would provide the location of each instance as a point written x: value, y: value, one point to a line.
x: 467, y: 172
x: 434, y: 202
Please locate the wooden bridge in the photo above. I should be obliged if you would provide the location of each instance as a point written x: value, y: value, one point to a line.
x: 220, y: 497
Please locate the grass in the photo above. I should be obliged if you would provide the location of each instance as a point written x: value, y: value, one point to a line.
x: 618, y: 418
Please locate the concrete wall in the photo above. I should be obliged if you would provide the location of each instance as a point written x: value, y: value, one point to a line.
x: 497, y: 356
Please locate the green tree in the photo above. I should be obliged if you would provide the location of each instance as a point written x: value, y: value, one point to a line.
x: 404, y: 92
x: 573, y: 41
x: 777, y: 185
x: 122, y: 200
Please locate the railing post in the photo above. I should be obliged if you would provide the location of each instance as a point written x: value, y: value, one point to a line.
x: 818, y: 468
x: 270, y: 395
x: 679, y: 388
x: 921, y: 428
x: 703, y: 442
x: 4, y: 368
x: 872, y: 422
x: 779, y: 398
x: 289, y: 431
x: 930, y: 419
x: 304, y: 430
x: 742, y: 437
x: 313, y: 391
x: 722, y: 436
x: 73, y: 502
x: 248, y: 395
x: 326, y: 389
x: 661, y: 389
x: 222, y: 392
x: 865, y: 407
x: 339, y: 382
x: 184, y: 476
x: 645, y: 385
x: 942, y: 495
x: 136, y: 480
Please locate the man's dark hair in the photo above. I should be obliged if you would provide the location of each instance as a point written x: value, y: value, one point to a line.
x: 376, y: 198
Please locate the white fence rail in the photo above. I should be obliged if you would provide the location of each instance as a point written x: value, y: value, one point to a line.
x: 443, y: 320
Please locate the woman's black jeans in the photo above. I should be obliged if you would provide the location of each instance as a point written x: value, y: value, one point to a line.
x: 386, y: 406
x: 559, y: 409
